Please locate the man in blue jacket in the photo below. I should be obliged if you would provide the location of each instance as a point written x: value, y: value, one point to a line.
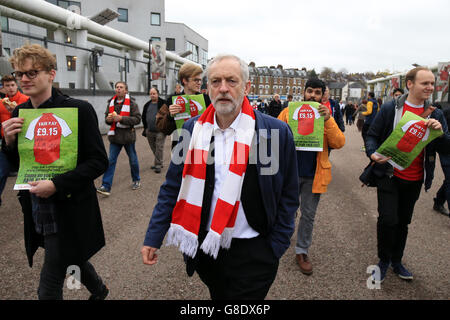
x: 233, y: 220
x: 398, y: 190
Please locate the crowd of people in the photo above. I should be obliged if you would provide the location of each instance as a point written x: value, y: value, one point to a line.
x: 232, y: 219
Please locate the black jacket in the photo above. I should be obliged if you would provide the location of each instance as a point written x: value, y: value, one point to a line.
x: 275, y: 108
x: 78, y: 219
x: 382, y: 127
x: 161, y: 102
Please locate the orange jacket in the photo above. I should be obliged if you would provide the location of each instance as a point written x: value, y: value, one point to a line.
x: 333, y: 138
x: 19, y: 98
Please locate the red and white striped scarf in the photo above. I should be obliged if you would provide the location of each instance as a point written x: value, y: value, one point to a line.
x: 124, y: 112
x: 185, y: 223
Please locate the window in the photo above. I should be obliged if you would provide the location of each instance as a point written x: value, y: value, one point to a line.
x: 170, y: 44
x: 8, y: 51
x: 71, y: 63
x: 155, y: 38
x: 194, y: 49
x: 155, y: 19
x: 66, y: 4
x: 5, y: 23
x: 203, y: 57
x: 123, y: 15
x: 71, y: 85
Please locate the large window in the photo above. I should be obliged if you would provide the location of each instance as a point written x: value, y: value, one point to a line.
x: 155, y: 19
x: 123, y: 15
x: 170, y: 44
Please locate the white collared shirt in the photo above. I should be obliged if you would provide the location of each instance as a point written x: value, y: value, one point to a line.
x: 223, y: 149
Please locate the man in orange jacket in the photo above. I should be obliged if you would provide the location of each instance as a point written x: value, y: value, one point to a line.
x: 314, y: 172
x: 12, y: 99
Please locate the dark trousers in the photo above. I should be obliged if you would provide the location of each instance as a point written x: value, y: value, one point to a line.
x: 244, y: 272
x: 443, y: 194
x: 364, y: 131
x: 53, y: 273
x: 396, y: 200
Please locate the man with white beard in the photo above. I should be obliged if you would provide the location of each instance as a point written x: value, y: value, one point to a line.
x: 212, y: 205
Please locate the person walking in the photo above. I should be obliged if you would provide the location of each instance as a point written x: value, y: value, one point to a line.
x: 122, y: 114
x: 232, y: 218
x: 12, y: 99
x: 370, y: 114
x: 443, y: 194
x: 190, y: 76
x: 62, y: 214
x: 314, y: 173
x: 349, y: 110
x: 156, y: 139
x: 275, y: 106
x: 398, y: 190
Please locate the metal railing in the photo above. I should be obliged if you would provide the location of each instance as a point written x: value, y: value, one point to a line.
x: 91, y: 68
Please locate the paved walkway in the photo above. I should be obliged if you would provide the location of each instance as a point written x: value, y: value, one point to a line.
x: 344, y: 242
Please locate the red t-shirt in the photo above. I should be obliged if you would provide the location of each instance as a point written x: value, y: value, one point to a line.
x: 46, y: 132
x: 19, y: 98
x: 415, y: 171
x: 328, y: 105
x: 305, y: 116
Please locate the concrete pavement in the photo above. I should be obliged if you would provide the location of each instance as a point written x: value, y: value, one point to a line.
x: 344, y: 242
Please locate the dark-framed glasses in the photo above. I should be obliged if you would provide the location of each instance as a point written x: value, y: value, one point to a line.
x: 31, y: 74
x: 196, y: 80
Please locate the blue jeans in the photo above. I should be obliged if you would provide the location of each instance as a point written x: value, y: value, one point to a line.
x: 114, y: 150
x: 4, y: 172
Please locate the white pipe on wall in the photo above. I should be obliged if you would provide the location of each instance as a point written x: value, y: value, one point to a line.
x: 48, y: 11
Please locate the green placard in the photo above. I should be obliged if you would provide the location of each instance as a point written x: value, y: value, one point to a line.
x: 307, y: 125
x: 48, y: 144
x: 407, y: 141
x: 192, y: 105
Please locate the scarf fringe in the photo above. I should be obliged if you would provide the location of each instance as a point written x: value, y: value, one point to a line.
x: 225, y: 239
x: 211, y: 244
x: 185, y: 240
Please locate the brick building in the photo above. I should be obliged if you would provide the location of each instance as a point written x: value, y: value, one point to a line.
x: 267, y: 81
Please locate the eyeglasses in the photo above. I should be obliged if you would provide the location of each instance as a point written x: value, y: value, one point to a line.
x: 31, y: 74
x: 196, y: 80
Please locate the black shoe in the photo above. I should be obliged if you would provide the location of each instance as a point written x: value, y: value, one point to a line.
x: 158, y: 170
x: 440, y: 208
x: 102, y: 295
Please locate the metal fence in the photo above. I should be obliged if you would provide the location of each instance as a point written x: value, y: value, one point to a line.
x: 93, y: 68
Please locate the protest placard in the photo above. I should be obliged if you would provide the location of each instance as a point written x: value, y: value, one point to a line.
x: 47, y: 144
x: 407, y: 140
x: 307, y: 125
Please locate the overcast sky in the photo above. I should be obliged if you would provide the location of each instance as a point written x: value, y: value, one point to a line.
x: 358, y: 35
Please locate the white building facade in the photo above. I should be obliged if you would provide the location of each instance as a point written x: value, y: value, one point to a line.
x: 144, y: 20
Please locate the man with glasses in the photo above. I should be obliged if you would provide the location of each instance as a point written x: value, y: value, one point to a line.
x: 190, y: 75
x: 62, y: 214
